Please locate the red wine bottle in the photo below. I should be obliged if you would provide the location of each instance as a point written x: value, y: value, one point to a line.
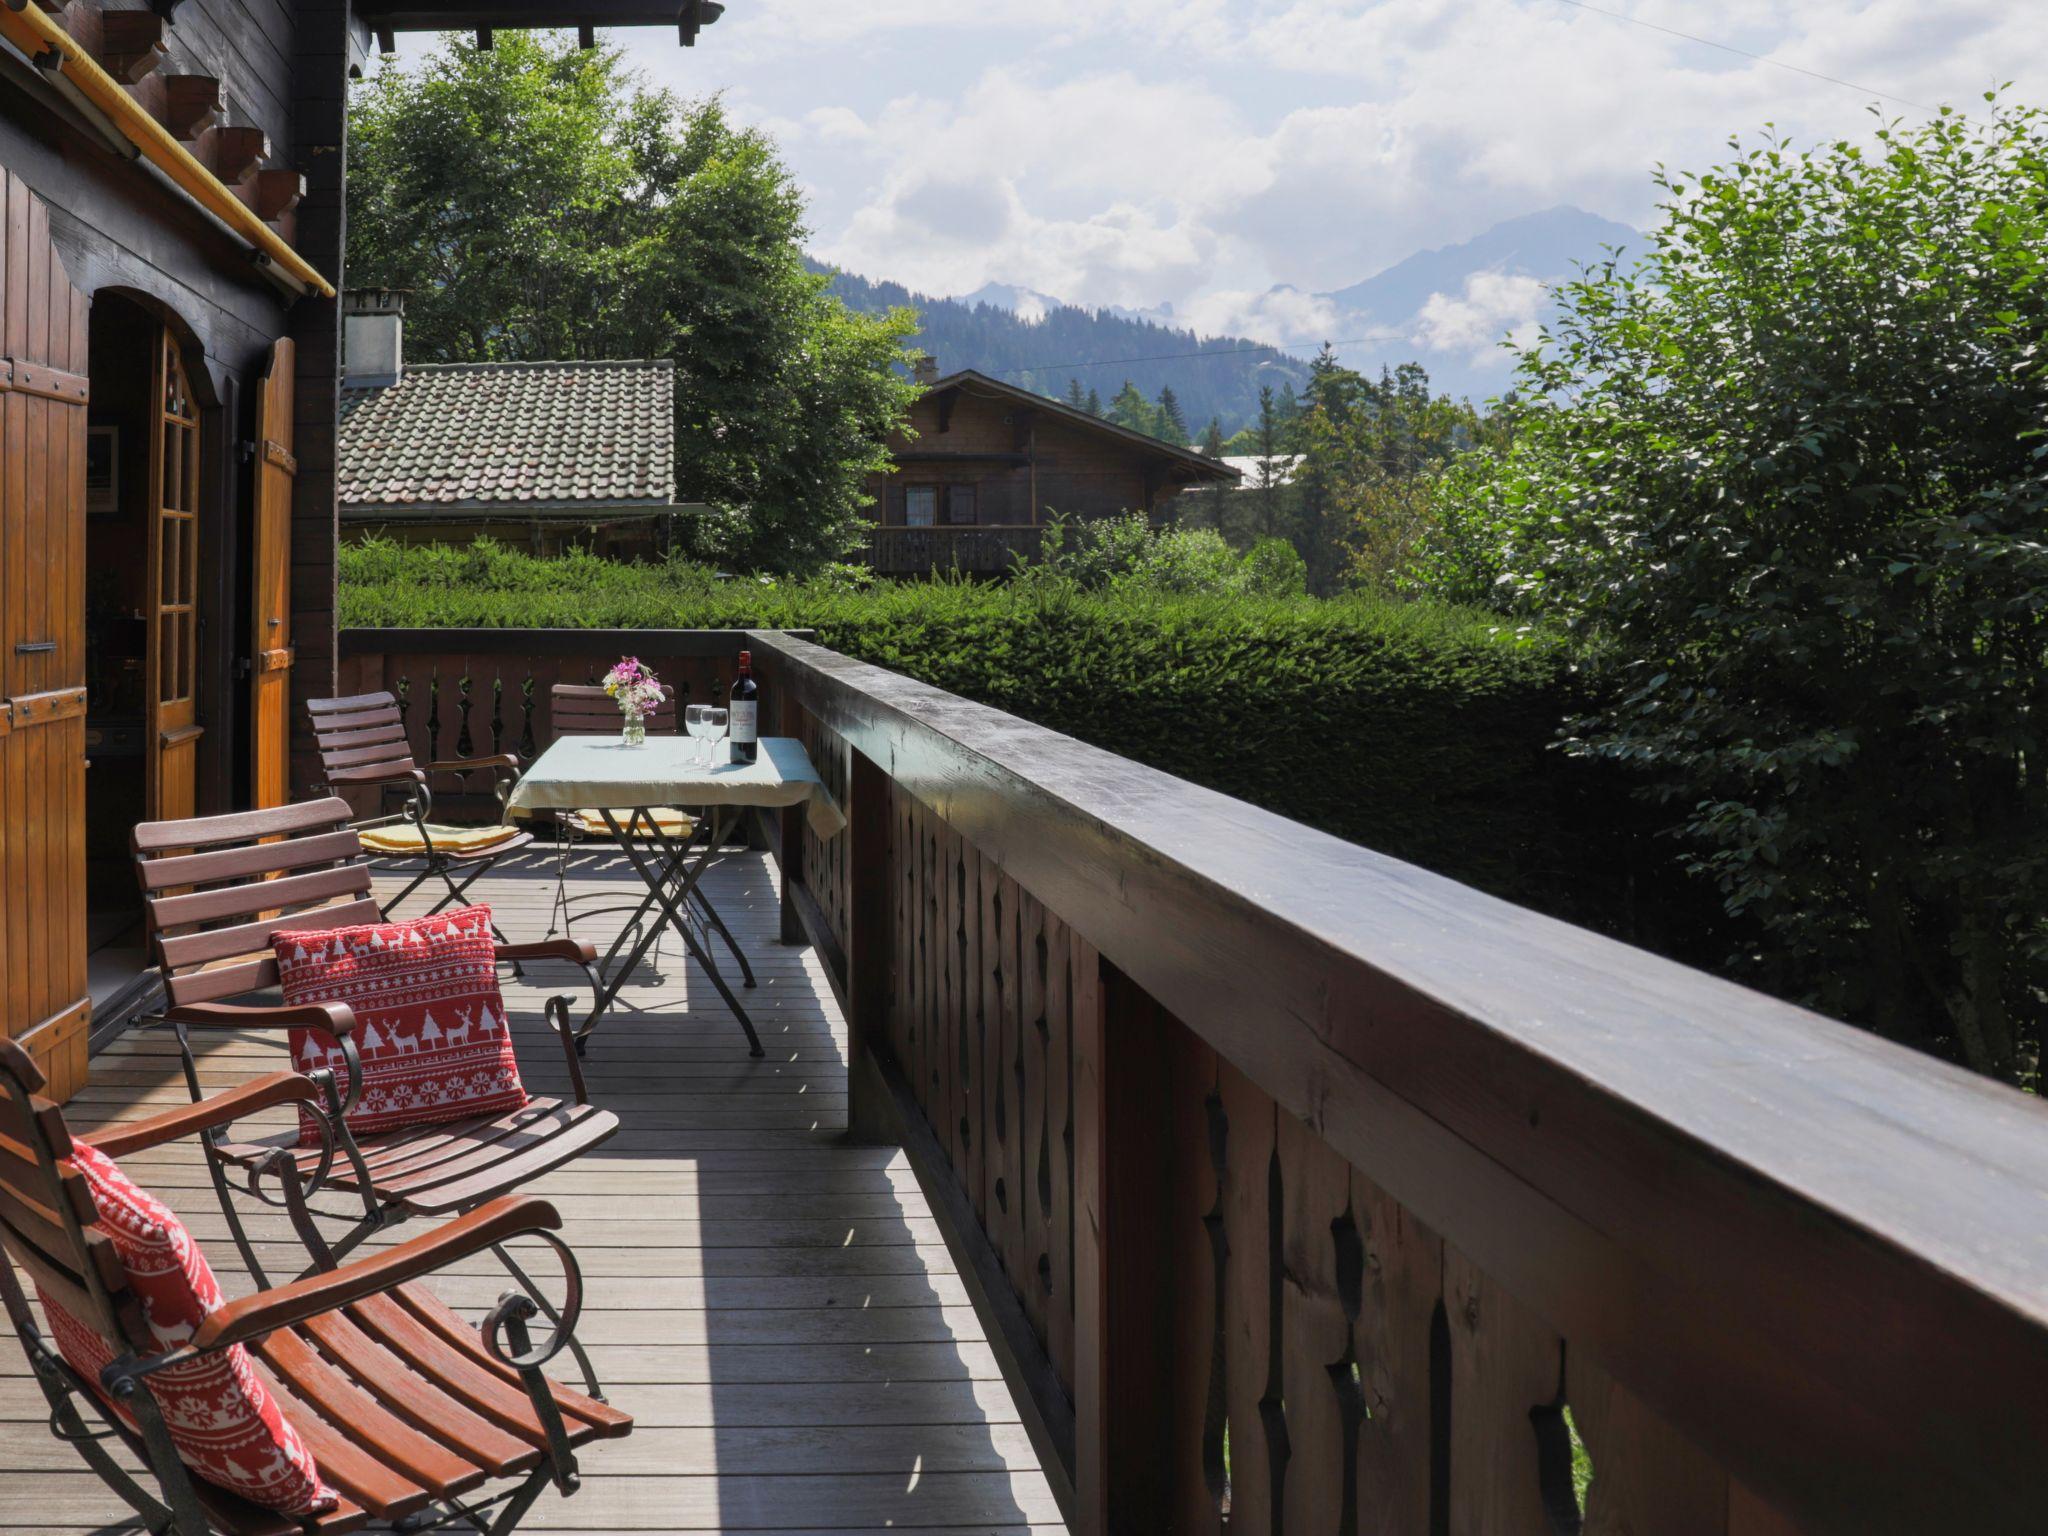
x: 743, y: 727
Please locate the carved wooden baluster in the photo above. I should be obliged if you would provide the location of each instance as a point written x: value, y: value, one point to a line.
x: 403, y: 689
x: 498, y: 713
x: 1323, y: 1254
x: 1507, y: 1372
x: 945, y: 982
x: 1059, y: 1113
x: 971, y: 1128
x: 434, y: 716
x: 528, y: 744
x: 1401, y: 1339
x: 465, y: 745
x: 1202, y: 1150
x: 1258, y: 1441
x: 1646, y: 1476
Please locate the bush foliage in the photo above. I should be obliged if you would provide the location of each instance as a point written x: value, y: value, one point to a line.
x: 1416, y: 729
x: 1788, y: 478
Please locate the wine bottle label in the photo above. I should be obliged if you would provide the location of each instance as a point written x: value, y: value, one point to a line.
x: 744, y: 723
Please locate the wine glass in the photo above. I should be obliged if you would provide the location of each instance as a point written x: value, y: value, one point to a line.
x: 698, y: 727
x: 714, y: 727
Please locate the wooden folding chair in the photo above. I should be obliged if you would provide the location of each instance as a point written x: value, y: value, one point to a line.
x: 214, y: 890
x: 407, y: 1408
x: 362, y: 743
x: 585, y: 710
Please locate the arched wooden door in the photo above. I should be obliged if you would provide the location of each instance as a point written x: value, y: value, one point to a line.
x: 43, y: 332
x: 174, y: 728
x: 270, y: 646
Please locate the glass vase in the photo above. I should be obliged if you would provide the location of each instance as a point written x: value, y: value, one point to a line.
x: 634, y: 732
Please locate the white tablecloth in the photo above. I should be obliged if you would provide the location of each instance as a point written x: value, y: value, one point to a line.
x: 584, y: 772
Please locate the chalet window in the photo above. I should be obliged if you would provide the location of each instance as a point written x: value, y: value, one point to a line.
x: 920, y: 506
x: 960, y: 504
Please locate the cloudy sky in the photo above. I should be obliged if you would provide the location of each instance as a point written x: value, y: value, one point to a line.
x: 1200, y: 151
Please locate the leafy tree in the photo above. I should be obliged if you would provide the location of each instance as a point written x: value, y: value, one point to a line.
x: 541, y: 202
x: 1789, y: 477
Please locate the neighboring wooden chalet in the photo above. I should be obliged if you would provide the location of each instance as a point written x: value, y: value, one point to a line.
x: 541, y: 456
x: 986, y: 464
x: 171, y: 227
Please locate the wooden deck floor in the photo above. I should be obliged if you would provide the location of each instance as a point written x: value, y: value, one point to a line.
x: 776, y: 1308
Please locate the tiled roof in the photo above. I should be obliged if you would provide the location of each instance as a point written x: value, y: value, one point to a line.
x: 511, y: 435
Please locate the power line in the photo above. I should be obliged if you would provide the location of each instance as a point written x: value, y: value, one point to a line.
x: 1760, y: 58
x: 1168, y: 357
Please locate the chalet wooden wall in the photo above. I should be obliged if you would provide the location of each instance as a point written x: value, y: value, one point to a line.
x: 320, y: 62
x: 1027, y: 464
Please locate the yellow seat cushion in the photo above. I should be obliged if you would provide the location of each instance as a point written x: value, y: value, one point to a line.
x: 446, y: 839
x: 668, y: 823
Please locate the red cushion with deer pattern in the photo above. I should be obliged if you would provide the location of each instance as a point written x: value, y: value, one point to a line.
x: 226, y: 1426
x: 430, y: 1019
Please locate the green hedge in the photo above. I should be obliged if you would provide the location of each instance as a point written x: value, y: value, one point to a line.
x: 1423, y: 732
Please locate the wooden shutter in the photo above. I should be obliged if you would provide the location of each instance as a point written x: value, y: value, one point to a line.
x: 270, y: 646
x: 43, y: 1001
x: 174, y: 729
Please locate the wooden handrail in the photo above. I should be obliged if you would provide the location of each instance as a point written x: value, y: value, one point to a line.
x: 1241, y: 1129
x: 1814, y: 1261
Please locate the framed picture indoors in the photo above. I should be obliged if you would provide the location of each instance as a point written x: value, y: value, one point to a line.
x: 102, y: 471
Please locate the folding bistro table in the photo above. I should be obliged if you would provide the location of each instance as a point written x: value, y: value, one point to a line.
x: 672, y: 773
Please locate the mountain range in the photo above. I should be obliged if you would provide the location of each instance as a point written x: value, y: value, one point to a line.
x: 1448, y: 309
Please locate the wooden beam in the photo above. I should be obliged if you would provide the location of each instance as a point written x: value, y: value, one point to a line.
x: 192, y: 105
x: 277, y: 193
x: 131, y: 44
x: 586, y: 37
x: 238, y: 151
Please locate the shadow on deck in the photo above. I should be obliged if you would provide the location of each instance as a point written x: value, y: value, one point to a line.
x: 775, y: 1307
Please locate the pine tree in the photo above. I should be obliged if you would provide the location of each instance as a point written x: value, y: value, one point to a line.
x: 1173, y: 425
x: 1212, y: 438
x: 1132, y: 410
x: 1094, y: 406
x: 1269, y: 453
x: 1075, y: 398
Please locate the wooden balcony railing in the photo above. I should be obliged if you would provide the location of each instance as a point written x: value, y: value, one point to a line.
x: 1306, y: 1191
x: 977, y: 549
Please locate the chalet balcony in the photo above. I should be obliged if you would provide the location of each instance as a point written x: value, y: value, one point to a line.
x: 1127, y: 1158
x: 974, y: 549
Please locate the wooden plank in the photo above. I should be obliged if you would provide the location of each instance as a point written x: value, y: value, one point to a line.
x: 1198, y: 1395
x: 968, y: 1134
x: 1505, y: 1366
x: 1251, y: 1301
x: 1059, y: 1116
x: 1033, y: 1275
x: 1323, y: 1262
x: 1404, y: 1448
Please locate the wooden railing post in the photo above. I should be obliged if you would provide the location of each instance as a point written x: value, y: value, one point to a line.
x: 1124, y: 1368
x: 789, y: 722
x: 870, y: 919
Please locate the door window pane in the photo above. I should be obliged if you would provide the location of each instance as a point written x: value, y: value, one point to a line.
x: 960, y: 506
x: 920, y: 506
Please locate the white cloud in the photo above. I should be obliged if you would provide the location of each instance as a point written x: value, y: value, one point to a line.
x: 1494, y: 305
x: 1199, y: 152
